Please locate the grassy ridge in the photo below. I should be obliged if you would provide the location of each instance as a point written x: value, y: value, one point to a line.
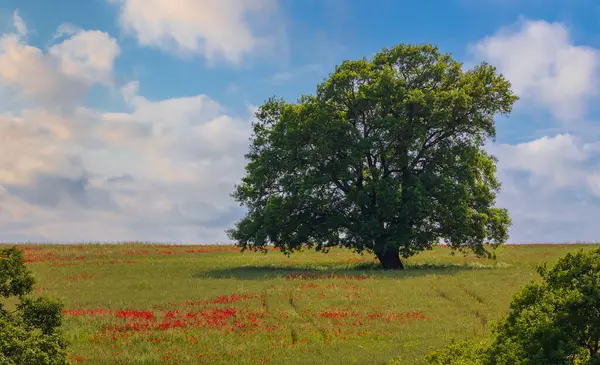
x: 158, y: 304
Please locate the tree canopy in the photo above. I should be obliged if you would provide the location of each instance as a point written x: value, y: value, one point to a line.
x: 29, y: 334
x: 387, y: 157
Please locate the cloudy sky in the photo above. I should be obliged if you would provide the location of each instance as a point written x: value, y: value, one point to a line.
x: 128, y: 119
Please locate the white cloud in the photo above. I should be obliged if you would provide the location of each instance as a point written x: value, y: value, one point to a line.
x: 60, y: 76
x: 35, y: 143
x: 558, y: 161
x: 548, y: 215
x: 217, y: 29
x: 544, y: 65
x: 162, y: 171
x: 65, y: 29
x: 19, y: 24
x: 87, y: 56
x: 182, y: 138
x: 551, y: 187
x: 33, y: 74
x: 49, y: 85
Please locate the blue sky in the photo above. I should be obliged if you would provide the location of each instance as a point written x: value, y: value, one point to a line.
x: 128, y: 119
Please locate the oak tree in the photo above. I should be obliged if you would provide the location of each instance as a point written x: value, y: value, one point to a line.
x: 386, y: 157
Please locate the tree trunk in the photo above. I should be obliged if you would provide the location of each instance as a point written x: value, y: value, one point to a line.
x: 390, y: 259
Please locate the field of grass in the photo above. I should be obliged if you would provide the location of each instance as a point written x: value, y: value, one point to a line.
x: 159, y: 304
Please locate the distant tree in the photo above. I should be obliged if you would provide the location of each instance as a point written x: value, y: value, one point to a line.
x: 29, y: 333
x: 386, y: 157
x: 555, y: 321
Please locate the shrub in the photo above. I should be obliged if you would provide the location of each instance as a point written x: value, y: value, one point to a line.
x: 555, y: 321
x: 29, y: 334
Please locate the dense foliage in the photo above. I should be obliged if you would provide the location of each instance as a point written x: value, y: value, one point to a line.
x: 387, y: 157
x: 29, y: 333
x: 556, y: 321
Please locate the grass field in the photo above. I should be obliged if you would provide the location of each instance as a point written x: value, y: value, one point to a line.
x: 159, y: 304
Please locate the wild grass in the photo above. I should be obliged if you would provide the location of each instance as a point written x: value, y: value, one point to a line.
x: 162, y: 304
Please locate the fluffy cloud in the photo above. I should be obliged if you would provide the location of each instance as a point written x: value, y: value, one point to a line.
x: 551, y: 187
x: 214, y: 28
x: 183, y: 139
x: 544, y: 66
x: 62, y: 74
x: 160, y: 171
x: 87, y: 56
x: 548, y: 215
x: 560, y: 161
x: 50, y: 85
x: 33, y: 74
x: 36, y: 142
x: 19, y: 24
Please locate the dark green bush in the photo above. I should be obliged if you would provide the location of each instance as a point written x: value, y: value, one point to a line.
x: 29, y: 335
x: 555, y: 321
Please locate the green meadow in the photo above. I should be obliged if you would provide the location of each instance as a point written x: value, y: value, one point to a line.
x: 163, y: 304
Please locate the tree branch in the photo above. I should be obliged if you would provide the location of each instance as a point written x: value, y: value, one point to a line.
x: 342, y: 186
x: 434, y: 139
